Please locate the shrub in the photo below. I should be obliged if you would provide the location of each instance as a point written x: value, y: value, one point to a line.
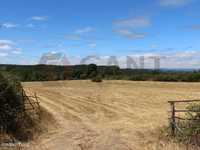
x: 11, y: 103
x: 190, y: 128
x: 13, y: 119
x: 97, y: 79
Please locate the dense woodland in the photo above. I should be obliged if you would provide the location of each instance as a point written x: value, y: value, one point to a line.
x: 52, y: 72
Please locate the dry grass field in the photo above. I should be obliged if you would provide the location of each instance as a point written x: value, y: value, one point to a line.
x: 112, y: 115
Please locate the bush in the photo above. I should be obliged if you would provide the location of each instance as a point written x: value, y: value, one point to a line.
x: 194, y: 119
x: 97, y: 79
x: 13, y: 119
x: 11, y: 103
x: 190, y: 128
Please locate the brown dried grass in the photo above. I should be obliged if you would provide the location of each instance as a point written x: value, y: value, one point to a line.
x: 118, y: 115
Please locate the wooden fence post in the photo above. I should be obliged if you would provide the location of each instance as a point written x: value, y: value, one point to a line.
x: 173, y: 120
x: 23, y: 98
x: 38, y: 105
x: 1, y: 132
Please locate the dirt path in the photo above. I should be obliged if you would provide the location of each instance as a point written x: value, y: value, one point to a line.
x: 113, y: 115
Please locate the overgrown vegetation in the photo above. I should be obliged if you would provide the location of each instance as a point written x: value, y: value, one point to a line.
x: 13, y: 120
x: 188, y: 130
x: 11, y: 103
x: 50, y: 73
x: 97, y: 79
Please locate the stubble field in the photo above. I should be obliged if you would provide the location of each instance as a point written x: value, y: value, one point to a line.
x: 112, y: 115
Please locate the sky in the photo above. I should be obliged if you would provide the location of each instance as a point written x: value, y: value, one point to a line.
x: 79, y: 28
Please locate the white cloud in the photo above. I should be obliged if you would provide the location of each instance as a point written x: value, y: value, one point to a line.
x: 180, y: 59
x: 17, y: 51
x: 39, y: 18
x: 3, y: 54
x: 92, y: 45
x: 137, y: 22
x: 6, y: 41
x: 12, y: 25
x: 175, y: 59
x: 187, y: 54
x: 79, y: 33
x: 128, y: 27
x: 8, y: 47
x: 174, y: 3
x: 84, y: 30
x: 153, y: 46
x: 30, y: 25
x: 8, y: 25
x: 127, y: 33
x: 5, y: 46
x: 54, y: 58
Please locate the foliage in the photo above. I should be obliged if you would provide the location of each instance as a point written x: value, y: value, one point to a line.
x: 194, y: 116
x: 84, y: 72
x: 97, y: 79
x: 10, y: 101
x: 190, y: 128
x: 13, y: 119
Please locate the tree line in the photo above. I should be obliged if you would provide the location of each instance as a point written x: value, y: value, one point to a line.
x: 83, y: 72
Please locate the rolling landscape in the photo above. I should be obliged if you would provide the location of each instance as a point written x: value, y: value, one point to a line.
x: 99, y: 75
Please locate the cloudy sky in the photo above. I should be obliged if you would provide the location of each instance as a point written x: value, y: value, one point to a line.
x: 78, y: 28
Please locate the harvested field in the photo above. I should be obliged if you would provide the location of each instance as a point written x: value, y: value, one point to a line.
x: 112, y: 115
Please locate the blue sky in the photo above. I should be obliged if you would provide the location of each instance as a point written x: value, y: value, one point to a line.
x: 29, y: 28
